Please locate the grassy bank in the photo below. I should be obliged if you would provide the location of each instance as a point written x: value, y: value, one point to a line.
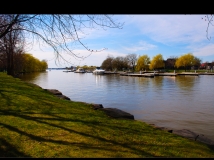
x: 35, y: 123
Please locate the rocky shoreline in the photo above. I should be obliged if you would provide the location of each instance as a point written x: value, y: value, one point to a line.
x: 117, y: 113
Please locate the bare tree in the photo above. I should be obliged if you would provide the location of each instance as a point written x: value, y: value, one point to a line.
x: 60, y: 32
x: 132, y: 60
x: 11, y: 47
x: 209, y: 19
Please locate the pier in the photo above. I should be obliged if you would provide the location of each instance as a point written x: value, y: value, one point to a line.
x: 150, y: 75
x: 165, y: 74
x: 206, y: 73
x: 188, y: 73
x: 109, y: 72
x: 153, y: 74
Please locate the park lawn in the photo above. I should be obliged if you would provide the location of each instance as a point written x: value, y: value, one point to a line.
x: 34, y: 123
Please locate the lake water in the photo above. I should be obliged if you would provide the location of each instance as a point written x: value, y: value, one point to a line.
x: 181, y: 102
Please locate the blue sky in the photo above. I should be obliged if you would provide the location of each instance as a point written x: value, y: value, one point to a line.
x: 169, y: 35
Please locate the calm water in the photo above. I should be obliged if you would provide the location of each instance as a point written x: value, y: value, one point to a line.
x: 182, y: 102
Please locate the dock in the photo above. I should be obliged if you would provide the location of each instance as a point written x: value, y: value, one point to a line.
x: 109, y: 72
x: 206, y: 73
x: 188, y: 73
x: 165, y: 74
x: 152, y: 74
x: 149, y: 75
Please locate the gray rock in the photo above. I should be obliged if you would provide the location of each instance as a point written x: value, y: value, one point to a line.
x: 57, y: 94
x: 63, y: 97
x: 203, y: 139
x: 54, y: 91
x: 185, y: 133
x: 97, y: 106
x: 193, y: 136
x: 162, y: 128
x: 188, y: 134
x: 116, y: 113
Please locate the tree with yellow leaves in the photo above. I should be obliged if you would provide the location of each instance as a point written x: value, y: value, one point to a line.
x: 32, y: 64
x: 157, y: 62
x: 186, y: 61
x: 142, y: 63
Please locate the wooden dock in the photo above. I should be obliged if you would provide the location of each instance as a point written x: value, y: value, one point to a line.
x: 165, y: 74
x: 152, y: 74
x: 109, y: 72
x: 149, y: 75
x: 188, y: 73
x: 206, y: 73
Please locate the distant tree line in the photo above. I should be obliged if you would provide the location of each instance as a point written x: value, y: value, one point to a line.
x: 88, y: 68
x: 140, y: 63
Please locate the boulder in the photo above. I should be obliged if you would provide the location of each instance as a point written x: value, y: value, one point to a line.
x: 97, y: 106
x: 117, y: 113
x: 193, y: 136
x: 63, y: 97
x: 204, y: 139
x: 54, y: 91
x: 163, y: 128
x: 186, y: 133
x: 57, y: 94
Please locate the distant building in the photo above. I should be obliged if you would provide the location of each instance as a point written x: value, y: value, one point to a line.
x: 206, y: 65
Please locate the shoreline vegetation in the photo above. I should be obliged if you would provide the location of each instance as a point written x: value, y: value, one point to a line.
x: 37, y: 122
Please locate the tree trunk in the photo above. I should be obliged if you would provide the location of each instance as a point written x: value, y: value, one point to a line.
x: 10, y: 64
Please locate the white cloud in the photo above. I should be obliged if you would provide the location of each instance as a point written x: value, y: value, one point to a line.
x: 96, y: 58
x: 204, y: 51
x: 142, y: 45
x: 169, y: 29
x: 93, y: 59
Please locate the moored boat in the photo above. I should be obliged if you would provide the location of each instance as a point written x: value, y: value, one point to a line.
x: 98, y: 70
x: 79, y: 70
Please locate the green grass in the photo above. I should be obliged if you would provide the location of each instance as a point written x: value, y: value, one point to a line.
x: 197, y: 71
x: 35, y: 123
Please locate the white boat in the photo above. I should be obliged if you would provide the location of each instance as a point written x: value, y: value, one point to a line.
x: 73, y: 70
x: 98, y: 70
x: 79, y: 70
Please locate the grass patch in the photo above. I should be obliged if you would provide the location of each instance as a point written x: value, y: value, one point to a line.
x: 35, y: 123
x: 180, y: 71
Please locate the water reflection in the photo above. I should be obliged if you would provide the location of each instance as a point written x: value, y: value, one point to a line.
x: 186, y: 82
x: 144, y: 84
x: 30, y: 76
x: 98, y: 78
x: 157, y: 82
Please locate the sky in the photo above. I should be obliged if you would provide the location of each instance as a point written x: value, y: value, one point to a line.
x: 171, y: 35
